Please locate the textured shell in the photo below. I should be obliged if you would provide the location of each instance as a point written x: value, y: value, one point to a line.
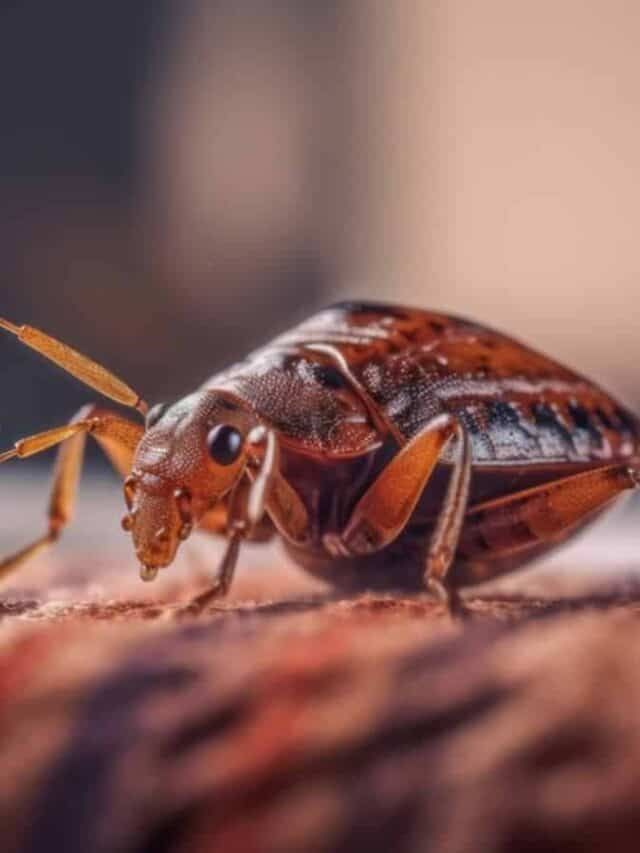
x: 517, y: 404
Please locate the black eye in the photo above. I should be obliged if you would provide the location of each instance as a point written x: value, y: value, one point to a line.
x: 224, y: 443
x: 154, y: 414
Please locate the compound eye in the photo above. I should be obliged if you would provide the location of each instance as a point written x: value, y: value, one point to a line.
x: 224, y: 443
x: 154, y: 414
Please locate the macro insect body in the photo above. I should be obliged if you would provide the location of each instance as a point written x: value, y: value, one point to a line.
x: 389, y: 447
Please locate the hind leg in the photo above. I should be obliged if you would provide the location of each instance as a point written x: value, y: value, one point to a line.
x: 525, y: 522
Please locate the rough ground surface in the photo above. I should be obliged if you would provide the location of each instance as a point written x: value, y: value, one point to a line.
x: 369, y: 724
x: 288, y: 720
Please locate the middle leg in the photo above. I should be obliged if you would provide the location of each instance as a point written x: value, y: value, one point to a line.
x: 384, y: 510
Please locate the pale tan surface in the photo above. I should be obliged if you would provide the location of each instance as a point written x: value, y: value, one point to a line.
x: 496, y: 170
x: 480, y: 158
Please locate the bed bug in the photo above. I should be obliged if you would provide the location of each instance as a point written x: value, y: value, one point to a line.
x: 389, y: 447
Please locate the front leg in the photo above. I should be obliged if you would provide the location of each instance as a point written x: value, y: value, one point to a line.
x: 384, y: 510
x: 216, y: 521
x: 244, y: 512
x: 117, y: 436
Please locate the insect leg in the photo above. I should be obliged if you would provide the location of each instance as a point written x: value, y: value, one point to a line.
x: 237, y: 529
x: 445, y: 538
x: 267, y: 492
x: 384, y: 510
x: 527, y: 520
x: 118, y: 438
x: 216, y: 520
x: 223, y: 581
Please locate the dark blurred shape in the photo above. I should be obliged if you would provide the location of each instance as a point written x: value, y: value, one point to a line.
x: 166, y: 177
x: 69, y: 79
x: 70, y: 73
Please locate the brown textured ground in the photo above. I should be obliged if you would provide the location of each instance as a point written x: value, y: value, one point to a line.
x: 280, y: 723
x: 317, y: 725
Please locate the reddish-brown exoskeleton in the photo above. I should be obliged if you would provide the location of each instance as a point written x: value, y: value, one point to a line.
x: 388, y: 446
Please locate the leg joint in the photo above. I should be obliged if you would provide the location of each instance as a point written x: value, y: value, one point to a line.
x: 56, y: 526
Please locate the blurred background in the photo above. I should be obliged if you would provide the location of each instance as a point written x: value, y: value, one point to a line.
x: 179, y: 181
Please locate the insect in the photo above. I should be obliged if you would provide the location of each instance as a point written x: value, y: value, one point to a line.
x: 389, y: 447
